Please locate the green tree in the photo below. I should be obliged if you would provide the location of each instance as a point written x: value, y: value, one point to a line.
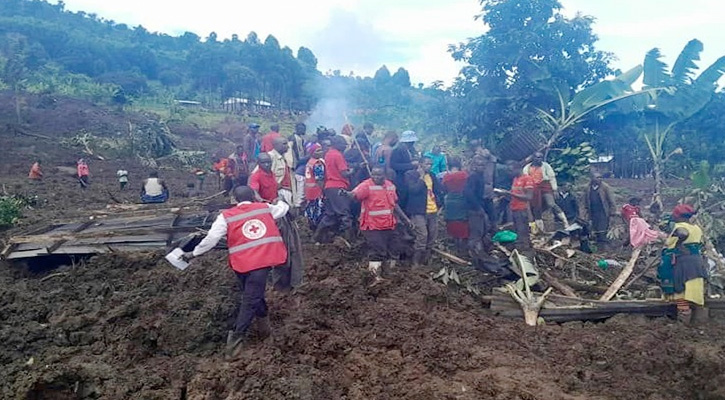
x: 15, y: 70
x: 682, y: 96
x: 527, y: 42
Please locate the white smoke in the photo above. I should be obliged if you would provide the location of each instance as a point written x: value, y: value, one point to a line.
x: 333, y: 107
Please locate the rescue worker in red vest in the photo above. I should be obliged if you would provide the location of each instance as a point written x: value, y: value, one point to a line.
x: 255, y: 247
x: 377, y: 218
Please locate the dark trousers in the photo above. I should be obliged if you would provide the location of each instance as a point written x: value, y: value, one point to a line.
x: 476, y: 232
x: 503, y: 213
x: 521, y: 227
x: 336, y: 215
x: 289, y: 275
x: 600, y: 225
x: 380, y: 244
x: 84, y: 181
x: 253, y: 284
x: 490, y: 210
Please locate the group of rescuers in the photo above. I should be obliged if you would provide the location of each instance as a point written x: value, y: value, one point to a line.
x: 396, y: 195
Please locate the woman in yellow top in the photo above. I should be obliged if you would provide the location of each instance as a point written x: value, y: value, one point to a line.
x: 686, y: 285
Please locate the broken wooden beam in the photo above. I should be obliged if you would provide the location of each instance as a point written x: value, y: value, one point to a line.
x: 626, y: 272
x: 556, y: 284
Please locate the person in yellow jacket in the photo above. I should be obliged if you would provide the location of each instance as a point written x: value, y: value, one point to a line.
x: 682, y: 273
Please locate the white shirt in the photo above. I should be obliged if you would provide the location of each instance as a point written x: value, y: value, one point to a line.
x: 218, y: 229
x: 153, y: 187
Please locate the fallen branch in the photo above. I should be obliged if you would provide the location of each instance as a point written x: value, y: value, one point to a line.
x: 54, y: 276
x: 626, y: 272
x: 640, y: 274
x: 530, y: 304
x: 453, y: 258
x: 565, y: 289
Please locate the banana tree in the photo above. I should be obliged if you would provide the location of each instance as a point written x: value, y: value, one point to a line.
x: 682, y: 97
x: 594, y: 98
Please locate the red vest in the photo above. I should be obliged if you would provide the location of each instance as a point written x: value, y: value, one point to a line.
x: 253, y: 239
x: 313, y: 191
x: 378, y: 204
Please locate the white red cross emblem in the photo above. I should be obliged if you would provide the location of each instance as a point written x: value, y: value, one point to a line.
x: 254, y: 229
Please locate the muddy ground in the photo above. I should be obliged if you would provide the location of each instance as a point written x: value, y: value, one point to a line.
x: 131, y: 327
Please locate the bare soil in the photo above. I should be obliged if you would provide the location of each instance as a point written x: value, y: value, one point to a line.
x: 122, y: 327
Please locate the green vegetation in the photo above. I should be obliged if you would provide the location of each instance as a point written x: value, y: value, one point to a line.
x: 11, y: 208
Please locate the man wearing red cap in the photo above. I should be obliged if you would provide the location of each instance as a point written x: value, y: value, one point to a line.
x: 682, y: 272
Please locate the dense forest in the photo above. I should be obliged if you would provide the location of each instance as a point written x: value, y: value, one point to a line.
x: 52, y: 49
x: 518, y: 91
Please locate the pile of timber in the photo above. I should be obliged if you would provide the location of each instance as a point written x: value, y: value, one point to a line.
x: 558, y: 308
x: 109, y: 231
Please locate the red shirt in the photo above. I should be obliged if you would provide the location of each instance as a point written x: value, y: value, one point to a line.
x: 268, y: 141
x: 335, y: 164
x: 264, y: 183
x: 455, y: 182
x: 521, y: 184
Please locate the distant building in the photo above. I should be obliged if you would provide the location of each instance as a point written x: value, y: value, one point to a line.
x: 234, y: 102
x: 603, y: 165
x: 188, y: 103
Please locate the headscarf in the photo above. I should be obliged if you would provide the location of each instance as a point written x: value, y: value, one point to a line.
x: 683, y: 211
x: 312, y: 147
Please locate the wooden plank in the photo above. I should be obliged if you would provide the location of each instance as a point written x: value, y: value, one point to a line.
x: 26, y: 254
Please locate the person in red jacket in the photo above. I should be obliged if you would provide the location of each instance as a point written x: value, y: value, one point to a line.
x: 377, y: 217
x: 337, y: 217
x: 255, y: 247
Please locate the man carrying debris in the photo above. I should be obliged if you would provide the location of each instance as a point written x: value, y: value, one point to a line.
x: 377, y: 219
x: 682, y: 272
x: 336, y: 217
x: 255, y: 247
x: 599, y: 205
x: 545, y: 180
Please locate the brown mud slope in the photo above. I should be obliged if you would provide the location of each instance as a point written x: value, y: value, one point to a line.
x: 135, y: 328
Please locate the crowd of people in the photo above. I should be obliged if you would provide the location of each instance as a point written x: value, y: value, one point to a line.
x: 349, y: 186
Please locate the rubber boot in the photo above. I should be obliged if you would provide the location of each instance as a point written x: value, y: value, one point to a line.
x: 235, y: 343
x: 374, y: 267
x: 563, y: 219
x: 263, y: 327
x: 540, y: 226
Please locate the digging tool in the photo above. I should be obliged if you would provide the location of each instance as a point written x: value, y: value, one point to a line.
x: 398, y: 210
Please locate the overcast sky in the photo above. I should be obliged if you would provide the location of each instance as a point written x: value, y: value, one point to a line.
x: 362, y: 35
